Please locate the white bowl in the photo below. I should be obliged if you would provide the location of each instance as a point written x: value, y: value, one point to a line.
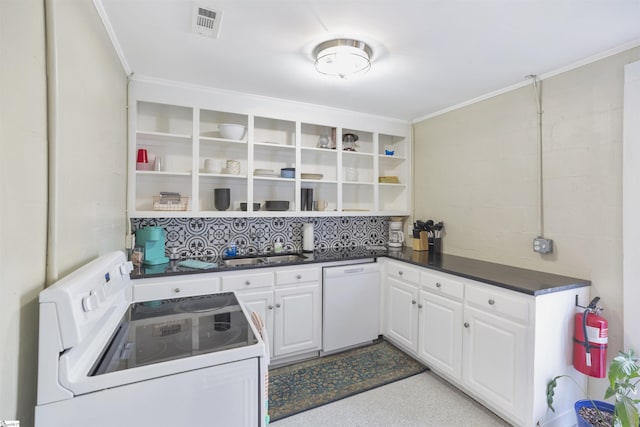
x: 232, y: 131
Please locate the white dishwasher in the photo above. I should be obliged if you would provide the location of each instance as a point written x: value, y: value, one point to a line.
x: 351, y: 305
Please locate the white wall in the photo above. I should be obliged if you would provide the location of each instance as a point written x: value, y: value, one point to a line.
x: 476, y: 169
x: 91, y: 173
x: 23, y: 211
x: 92, y: 140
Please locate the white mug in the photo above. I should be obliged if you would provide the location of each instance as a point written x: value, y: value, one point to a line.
x: 213, y: 165
x: 320, y: 205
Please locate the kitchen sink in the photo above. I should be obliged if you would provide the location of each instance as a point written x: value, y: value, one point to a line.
x: 231, y: 262
x: 277, y: 259
x: 267, y: 259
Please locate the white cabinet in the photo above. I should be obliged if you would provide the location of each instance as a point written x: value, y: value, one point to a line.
x: 255, y: 292
x: 424, y: 315
x: 175, y: 287
x: 496, y: 348
x: 298, y: 312
x: 297, y: 320
x: 179, y: 126
x: 499, y: 346
x: 440, y: 340
x: 401, y: 311
x: 291, y: 309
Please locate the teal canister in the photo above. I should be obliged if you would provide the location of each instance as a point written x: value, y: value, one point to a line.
x: 152, y: 239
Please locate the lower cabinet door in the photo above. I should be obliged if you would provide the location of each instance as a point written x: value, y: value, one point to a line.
x: 402, y: 313
x: 495, y: 362
x: 441, y: 334
x: 298, y: 319
x: 262, y: 302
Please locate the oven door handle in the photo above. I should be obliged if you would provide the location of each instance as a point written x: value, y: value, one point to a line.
x: 262, y: 329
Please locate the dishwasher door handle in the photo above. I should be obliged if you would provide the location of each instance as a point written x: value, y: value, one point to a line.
x: 353, y: 270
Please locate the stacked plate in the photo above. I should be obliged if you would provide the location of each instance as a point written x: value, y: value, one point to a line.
x: 311, y: 175
x: 265, y: 172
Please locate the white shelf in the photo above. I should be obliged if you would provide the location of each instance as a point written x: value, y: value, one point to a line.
x: 210, y: 139
x: 319, y: 181
x: 273, y: 178
x: 162, y: 173
x: 391, y: 184
x: 222, y: 175
x: 274, y: 146
x: 163, y: 136
x: 392, y: 158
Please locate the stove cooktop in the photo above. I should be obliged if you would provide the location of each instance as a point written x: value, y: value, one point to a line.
x: 160, y: 331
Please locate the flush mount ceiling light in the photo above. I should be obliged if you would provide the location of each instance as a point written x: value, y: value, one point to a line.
x: 342, y: 57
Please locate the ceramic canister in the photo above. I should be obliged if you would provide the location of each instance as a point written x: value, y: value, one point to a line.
x: 233, y: 167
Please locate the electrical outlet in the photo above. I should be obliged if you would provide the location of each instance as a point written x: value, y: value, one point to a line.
x: 542, y: 245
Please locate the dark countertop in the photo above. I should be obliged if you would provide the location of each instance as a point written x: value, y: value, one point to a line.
x: 513, y: 278
x: 516, y: 279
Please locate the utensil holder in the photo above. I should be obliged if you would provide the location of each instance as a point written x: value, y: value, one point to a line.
x: 435, y: 245
x: 421, y: 244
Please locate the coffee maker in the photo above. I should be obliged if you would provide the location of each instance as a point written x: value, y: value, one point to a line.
x: 152, y: 240
x: 396, y: 236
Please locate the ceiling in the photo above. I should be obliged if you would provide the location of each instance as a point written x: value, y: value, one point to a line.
x: 428, y: 55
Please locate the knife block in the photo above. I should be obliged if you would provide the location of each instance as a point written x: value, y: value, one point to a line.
x: 421, y: 244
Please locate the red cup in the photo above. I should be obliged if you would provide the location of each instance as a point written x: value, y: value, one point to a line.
x: 142, y: 156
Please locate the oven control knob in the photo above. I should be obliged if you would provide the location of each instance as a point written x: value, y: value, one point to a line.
x: 126, y: 268
x: 90, y: 302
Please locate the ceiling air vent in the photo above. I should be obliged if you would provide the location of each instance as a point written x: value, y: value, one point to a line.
x: 206, y: 21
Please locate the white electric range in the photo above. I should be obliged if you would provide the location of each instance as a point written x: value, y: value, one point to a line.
x: 104, y: 360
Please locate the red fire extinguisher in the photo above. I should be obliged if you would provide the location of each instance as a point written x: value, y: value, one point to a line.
x: 590, y: 341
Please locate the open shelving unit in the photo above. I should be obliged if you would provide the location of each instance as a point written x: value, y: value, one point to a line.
x: 181, y: 128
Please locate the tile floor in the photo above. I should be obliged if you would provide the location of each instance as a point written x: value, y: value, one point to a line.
x: 421, y: 400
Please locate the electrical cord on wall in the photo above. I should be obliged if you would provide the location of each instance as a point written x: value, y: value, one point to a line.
x: 538, y: 94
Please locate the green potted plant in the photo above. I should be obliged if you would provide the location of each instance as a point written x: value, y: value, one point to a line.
x: 624, y: 375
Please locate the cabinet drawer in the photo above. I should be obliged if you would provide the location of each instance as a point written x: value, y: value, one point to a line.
x: 287, y: 277
x: 163, y: 288
x: 403, y: 271
x: 441, y: 285
x: 492, y: 299
x: 247, y: 281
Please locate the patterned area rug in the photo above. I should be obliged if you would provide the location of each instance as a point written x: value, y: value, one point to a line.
x: 303, y: 386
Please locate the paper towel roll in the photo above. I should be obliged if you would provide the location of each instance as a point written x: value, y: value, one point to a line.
x: 307, y: 237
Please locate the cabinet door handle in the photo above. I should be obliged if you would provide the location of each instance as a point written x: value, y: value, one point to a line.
x: 491, y: 302
x: 413, y: 302
x: 278, y: 305
x: 299, y: 276
x: 466, y: 324
x: 270, y: 307
x: 419, y: 305
x: 247, y: 283
x: 438, y: 285
x: 176, y: 290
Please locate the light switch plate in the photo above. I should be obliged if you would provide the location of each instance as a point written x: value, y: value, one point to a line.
x: 542, y: 245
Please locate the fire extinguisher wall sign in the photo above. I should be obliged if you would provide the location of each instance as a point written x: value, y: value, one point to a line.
x: 590, y: 341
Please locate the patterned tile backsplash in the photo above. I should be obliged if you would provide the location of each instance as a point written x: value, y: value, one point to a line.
x: 208, y: 237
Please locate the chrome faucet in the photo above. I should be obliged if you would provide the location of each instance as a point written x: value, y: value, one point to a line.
x: 256, y: 237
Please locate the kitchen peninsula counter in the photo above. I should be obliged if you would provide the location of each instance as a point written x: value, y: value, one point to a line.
x: 513, y: 278
x: 517, y: 279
